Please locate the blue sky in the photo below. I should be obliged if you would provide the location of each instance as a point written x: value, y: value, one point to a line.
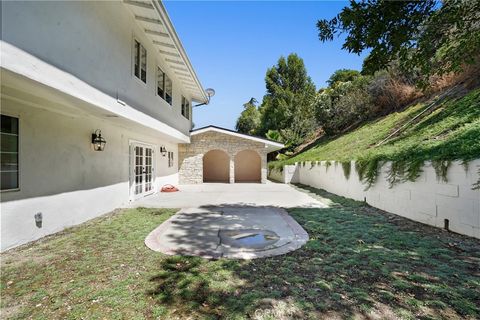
x: 232, y: 44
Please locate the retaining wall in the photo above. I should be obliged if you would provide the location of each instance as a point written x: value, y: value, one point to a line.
x: 427, y: 200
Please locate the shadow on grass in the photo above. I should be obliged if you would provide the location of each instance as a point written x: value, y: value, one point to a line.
x: 359, y: 261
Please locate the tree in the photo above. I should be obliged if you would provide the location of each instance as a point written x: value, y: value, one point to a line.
x: 427, y: 37
x: 288, y: 104
x: 342, y: 75
x: 249, y: 120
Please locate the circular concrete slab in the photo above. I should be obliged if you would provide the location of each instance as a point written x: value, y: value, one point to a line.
x: 228, y: 232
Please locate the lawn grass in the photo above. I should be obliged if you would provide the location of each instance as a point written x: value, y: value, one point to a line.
x: 359, y: 262
x: 450, y: 132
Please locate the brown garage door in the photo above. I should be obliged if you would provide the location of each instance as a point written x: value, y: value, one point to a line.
x: 248, y: 166
x: 216, y: 165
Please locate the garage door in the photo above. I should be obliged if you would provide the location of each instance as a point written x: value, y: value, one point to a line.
x: 248, y: 166
x: 216, y: 166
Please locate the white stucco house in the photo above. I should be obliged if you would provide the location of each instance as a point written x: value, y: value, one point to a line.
x: 75, y: 75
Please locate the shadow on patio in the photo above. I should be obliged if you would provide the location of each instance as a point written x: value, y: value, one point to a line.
x: 359, y: 261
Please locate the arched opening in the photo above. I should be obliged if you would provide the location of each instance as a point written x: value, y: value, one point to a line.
x: 216, y: 166
x: 248, y: 166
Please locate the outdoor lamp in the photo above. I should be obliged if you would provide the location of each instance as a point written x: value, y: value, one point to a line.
x: 97, y: 140
x: 163, y: 151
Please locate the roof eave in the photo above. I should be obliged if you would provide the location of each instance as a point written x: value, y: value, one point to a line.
x: 160, y: 8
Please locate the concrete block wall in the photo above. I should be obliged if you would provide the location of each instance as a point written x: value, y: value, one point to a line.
x: 427, y: 200
x: 289, y: 174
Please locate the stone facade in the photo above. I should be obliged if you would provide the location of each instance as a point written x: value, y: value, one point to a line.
x: 191, y: 155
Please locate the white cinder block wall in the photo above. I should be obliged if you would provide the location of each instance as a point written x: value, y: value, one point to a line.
x: 426, y: 200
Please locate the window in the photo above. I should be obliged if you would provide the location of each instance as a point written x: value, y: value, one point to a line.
x: 9, y: 153
x: 185, y: 108
x: 164, y: 86
x: 170, y: 159
x: 140, y: 62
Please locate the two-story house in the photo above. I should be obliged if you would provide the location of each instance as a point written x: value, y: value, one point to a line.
x: 78, y: 78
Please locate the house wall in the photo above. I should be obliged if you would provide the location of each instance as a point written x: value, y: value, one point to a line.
x: 62, y: 177
x: 426, y: 200
x: 93, y: 40
x: 191, y: 155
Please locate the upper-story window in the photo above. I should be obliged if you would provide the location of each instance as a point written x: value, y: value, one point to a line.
x: 185, y: 108
x: 9, y: 153
x: 140, y: 62
x: 164, y: 86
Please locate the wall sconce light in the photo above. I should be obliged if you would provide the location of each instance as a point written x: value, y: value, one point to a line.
x: 163, y: 151
x: 98, y: 141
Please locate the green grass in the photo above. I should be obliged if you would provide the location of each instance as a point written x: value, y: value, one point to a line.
x: 451, y: 132
x: 359, y: 261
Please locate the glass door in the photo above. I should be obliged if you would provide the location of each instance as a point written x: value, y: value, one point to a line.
x: 142, y: 169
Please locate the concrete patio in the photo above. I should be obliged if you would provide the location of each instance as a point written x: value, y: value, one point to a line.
x: 200, y: 232
x: 235, y: 194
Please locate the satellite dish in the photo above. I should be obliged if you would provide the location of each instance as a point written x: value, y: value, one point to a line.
x: 210, y: 92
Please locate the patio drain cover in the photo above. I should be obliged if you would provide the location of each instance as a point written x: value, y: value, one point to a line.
x: 248, y: 238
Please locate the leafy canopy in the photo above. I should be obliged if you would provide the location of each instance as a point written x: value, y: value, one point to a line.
x: 288, y: 104
x: 342, y: 75
x: 427, y: 37
x: 249, y: 119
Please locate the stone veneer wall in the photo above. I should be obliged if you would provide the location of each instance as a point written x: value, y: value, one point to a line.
x: 427, y: 200
x: 190, y: 155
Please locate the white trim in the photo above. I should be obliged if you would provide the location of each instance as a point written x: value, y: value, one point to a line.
x: 239, y: 135
x: 158, y: 7
x: 131, y: 168
x: 16, y: 62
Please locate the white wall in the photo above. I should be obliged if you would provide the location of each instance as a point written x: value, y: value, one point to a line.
x: 62, y: 177
x: 426, y: 200
x: 93, y: 40
x: 289, y: 174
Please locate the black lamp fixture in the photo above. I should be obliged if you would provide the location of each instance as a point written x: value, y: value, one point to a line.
x: 98, y: 141
x: 163, y: 151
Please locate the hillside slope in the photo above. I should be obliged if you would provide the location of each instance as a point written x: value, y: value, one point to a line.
x: 450, y: 132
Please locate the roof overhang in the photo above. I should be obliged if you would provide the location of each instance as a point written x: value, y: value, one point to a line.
x: 269, y: 144
x: 36, y: 81
x: 153, y: 19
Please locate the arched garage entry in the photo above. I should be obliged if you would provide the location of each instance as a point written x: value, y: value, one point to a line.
x: 216, y: 166
x: 248, y: 166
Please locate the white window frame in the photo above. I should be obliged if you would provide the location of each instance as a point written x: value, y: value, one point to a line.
x: 139, y: 80
x: 18, y: 152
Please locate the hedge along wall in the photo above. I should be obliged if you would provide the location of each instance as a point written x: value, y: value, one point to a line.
x: 428, y: 200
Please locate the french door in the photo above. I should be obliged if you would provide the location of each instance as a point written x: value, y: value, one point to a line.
x: 142, y: 170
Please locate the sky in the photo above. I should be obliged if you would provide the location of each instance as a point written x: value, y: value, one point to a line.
x: 232, y: 44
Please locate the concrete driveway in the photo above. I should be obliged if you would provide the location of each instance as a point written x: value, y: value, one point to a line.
x: 224, y: 194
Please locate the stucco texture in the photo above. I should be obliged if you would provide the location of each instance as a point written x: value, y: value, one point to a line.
x: 247, y: 159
